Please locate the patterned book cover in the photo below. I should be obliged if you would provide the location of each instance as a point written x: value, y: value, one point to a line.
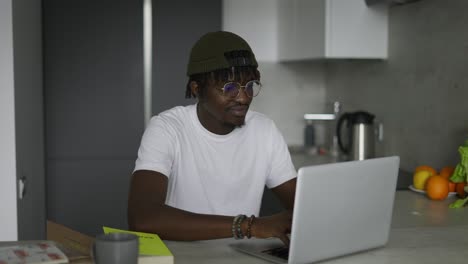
x: 33, y: 252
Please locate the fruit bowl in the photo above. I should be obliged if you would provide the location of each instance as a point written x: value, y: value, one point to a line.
x: 411, y: 187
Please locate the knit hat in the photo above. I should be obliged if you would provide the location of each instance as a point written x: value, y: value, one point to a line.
x: 211, y: 52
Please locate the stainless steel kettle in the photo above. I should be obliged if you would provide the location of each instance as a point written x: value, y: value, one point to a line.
x: 360, y: 135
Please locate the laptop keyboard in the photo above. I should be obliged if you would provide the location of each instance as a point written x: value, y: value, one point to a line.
x: 281, y: 252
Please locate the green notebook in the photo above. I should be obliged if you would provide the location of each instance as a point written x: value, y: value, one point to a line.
x: 151, y: 248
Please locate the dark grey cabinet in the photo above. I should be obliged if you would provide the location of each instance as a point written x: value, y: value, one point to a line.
x: 93, y: 79
x: 29, y: 119
x: 93, y: 82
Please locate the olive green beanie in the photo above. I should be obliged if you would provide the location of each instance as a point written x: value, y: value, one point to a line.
x: 209, y: 53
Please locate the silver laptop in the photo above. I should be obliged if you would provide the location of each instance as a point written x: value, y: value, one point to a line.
x: 340, y: 208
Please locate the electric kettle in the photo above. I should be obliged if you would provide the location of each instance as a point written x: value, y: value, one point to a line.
x: 360, y: 135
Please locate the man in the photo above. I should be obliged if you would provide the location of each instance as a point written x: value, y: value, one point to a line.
x: 201, y: 169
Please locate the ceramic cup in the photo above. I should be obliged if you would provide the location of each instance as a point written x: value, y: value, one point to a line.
x: 115, y: 248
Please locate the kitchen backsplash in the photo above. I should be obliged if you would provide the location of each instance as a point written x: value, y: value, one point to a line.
x: 289, y: 91
x: 420, y: 93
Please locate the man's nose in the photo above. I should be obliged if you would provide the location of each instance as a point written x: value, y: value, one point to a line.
x: 242, y: 97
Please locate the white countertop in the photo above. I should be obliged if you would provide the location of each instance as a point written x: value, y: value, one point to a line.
x: 423, y: 231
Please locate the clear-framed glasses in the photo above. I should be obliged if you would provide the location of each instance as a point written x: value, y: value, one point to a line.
x: 232, y: 89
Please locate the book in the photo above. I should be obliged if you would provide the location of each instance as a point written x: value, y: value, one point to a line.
x: 77, y: 246
x: 151, y: 248
x: 31, y: 252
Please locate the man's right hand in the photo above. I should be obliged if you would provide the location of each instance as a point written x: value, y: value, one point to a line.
x: 277, y: 225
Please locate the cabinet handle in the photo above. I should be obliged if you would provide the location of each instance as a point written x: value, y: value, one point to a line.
x: 22, y: 187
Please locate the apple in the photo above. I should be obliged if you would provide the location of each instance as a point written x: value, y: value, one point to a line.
x: 420, y: 178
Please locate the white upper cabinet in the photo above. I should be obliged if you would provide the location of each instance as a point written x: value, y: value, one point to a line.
x: 310, y: 29
x: 257, y: 22
x: 284, y: 30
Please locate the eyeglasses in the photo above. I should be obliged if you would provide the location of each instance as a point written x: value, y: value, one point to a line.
x: 232, y: 89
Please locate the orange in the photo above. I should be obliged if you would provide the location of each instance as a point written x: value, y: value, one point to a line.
x: 459, y: 188
x: 447, y: 171
x: 426, y: 168
x: 437, y: 187
x: 452, y: 186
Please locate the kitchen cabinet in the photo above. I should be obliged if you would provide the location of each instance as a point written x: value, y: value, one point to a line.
x: 257, y: 22
x: 22, y: 169
x: 94, y: 94
x: 331, y: 29
x: 94, y: 113
x: 289, y: 30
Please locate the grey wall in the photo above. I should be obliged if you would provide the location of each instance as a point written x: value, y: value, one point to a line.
x: 93, y: 81
x: 29, y: 117
x: 420, y: 92
x: 289, y: 91
x: 177, y: 25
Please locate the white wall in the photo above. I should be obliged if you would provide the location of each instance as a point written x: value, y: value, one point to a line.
x: 8, y: 226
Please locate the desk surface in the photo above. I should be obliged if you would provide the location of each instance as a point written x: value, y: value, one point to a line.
x: 423, y: 231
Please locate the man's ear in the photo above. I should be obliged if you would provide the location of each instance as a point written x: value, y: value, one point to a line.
x: 195, y: 88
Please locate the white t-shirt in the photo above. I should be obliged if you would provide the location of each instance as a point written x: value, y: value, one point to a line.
x: 215, y: 174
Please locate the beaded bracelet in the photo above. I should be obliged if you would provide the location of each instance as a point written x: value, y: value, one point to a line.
x: 249, y: 226
x: 239, y: 233
x: 236, y: 226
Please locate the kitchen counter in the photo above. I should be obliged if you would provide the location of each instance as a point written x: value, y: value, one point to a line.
x: 423, y: 231
x: 301, y: 156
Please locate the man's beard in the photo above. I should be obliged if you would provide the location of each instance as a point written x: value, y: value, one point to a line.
x: 234, y: 126
x: 241, y: 125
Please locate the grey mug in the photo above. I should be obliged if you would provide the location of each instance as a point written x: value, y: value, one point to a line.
x: 115, y: 248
